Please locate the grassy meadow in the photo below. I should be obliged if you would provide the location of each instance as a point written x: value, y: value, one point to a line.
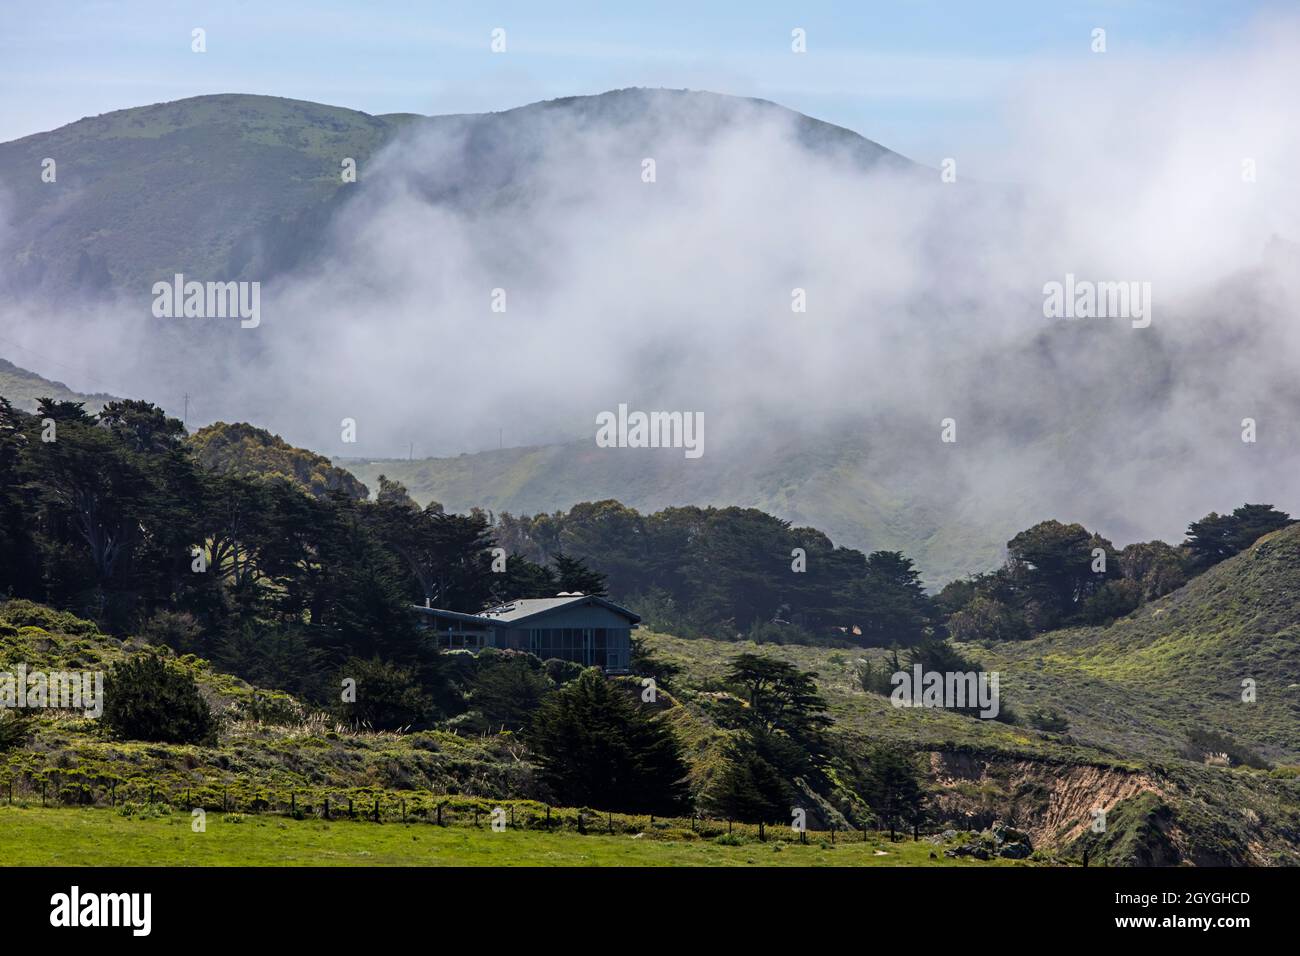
x: 34, y: 836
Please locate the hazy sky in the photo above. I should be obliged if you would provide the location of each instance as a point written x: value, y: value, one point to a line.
x: 928, y: 78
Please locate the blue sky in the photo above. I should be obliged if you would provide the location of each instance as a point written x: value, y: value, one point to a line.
x: 916, y: 75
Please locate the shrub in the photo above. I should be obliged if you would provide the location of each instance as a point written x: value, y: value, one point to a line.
x: 1050, y: 721
x: 780, y: 632
x: 269, y: 707
x: 20, y: 613
x: 388, y: 696
x: 1202, y: 744
x: 13, y: 730
x: 878, y: 678
x: 144, y: 811
x: 179, y: 631
x: 147, y: 698
x: 561, y: 671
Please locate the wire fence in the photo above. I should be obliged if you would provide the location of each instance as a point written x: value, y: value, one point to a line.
x: 240, y: 795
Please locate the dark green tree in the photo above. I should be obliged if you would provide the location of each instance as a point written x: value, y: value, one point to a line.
x: 1053, y: 569
x: 782, y: 711
x: 1217, y: 537
x: 748, y: 789
x: 891, y: 786
x: 597, y: 748
x: 573, y: 575
x: 779, y: 696
x: 507, y: 689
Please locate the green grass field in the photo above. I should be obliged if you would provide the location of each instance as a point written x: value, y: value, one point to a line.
x: 96, y: 837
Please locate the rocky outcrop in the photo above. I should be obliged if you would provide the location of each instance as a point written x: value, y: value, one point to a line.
x: 1052, y: 802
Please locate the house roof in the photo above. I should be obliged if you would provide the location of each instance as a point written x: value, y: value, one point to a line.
x: 452, y: 615
x: 525, y: 609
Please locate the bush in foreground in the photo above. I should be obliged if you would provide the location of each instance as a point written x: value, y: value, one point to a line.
x: 147, y: 698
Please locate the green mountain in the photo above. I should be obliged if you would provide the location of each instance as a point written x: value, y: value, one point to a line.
x: 1182, y: 664
x: 22, y: 388
x: 235, y: 186
x: 216, y: 187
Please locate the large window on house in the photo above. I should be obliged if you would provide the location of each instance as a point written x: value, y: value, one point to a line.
x: 603, y: 647
x: 585, y: 645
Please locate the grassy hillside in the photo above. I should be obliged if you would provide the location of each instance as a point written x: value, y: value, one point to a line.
x: 217, y: 187
x: 1135, y: 695
x: 22, y: 388
x: 1177, y: 664
x: 282, y: 787
x: 268, y: 741
x: 272, y: 757
x: 1161, y: 810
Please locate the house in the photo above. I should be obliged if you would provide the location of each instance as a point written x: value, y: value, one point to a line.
x: 583, y: 628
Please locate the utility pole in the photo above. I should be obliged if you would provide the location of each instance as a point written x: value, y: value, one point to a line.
x: 410, y: 454
x: 185, y: 418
